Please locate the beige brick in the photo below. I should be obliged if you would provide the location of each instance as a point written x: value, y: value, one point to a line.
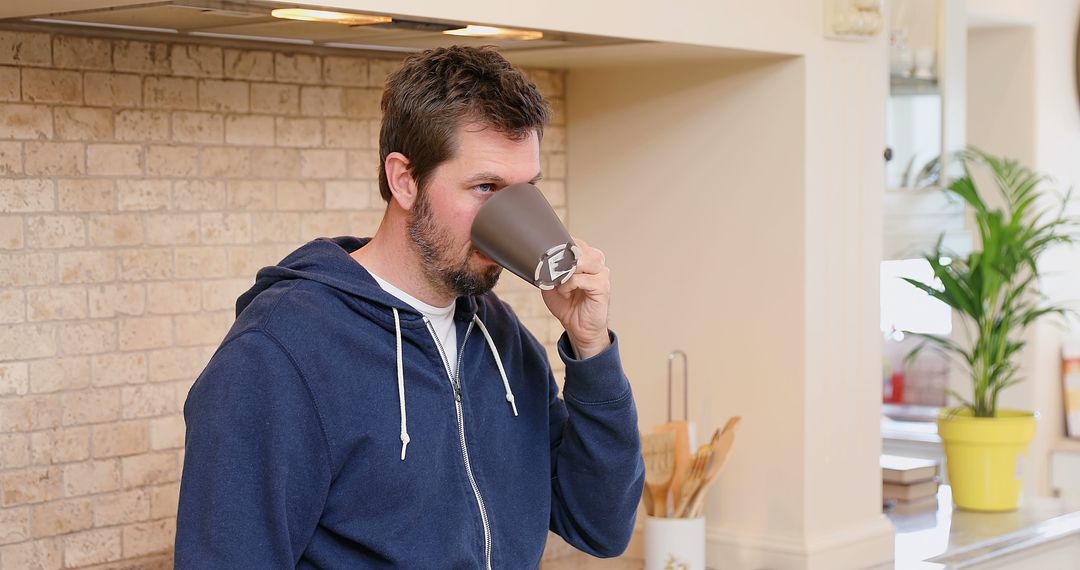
x: 167, y: 432
x: 54, y: 158
x: 55, y: 232
x: 12, y: 308
x: 91, y: 477
x: 18, y: 342
x: 141, y: 57
x: 323, y: 224
x: 347, y: 133
x: 11, y: 158
x: 164, y: 500
x: 25, y: 48
x: 373, y: 134
x: 11, y: 232
x: 322, y: 101
x: 217, y: 95
x: 146, y: 264
x: 200, y: 262
x: 26, y: 195
x: 74, y: 52
x: 225, y: 162
x: 10, y: 84
x: 87, y: 266
x: 150, y: 469
x: 139, y: 125
x: 558, y: 112
x: 29, y: 412
x: 83, y: 123
x: 378, y: 69
x: 14, y: 452
x: 275, y: 163
x: 121, y: 438
x: 249, y: 64
x: 298, y: 132
x: 21, y: 269
x: 14, y: 378
x: 202, y: 328
x: 92, y: 547
x: 116, y: 299
x: 554, y: 191
x: 14, y: 525
x: 349, y: 71
x: 196, y: 60
x: 189, y: 195
x: 219, y: 228
x: 556, y: 166
x: 140, y: 333
x: 363, y: 103
x: 192, y: 127
x: 176, y: 363
x: 293, y: 195
x: 33, y: 485
x: 364, y: 223
x: 88, y: 337
x: 554, y: 140
x: 116, y: 229
x: 149, y: 537
x: 173, y: 297
x: 297, y: 68
x: 322, y: 164
x: 51, y: 86
x: 56, y: 303
x: 60, y: 445
x: 85, y: 195
x: 119, y: 368
x: 275, y: 227
x: 121, y: 508
x: 114, y: 89
x: 249, y: 195
x: 55, y: 374
x: 221, y: 295
x: 364, y: 164
x: 25, y: 121
x: 253, y: 130
x: 114, y: 159
x: 178, y: 161
x: 550, y: 82
x: 170, y: 93
x: 275, y: 98
x: 145, y: 194
x: 88, y: 407
x: 172, y: 229
x: 35, y: 555
x: 348, y: 195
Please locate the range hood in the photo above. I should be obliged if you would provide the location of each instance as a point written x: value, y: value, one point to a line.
x: 251, y: 20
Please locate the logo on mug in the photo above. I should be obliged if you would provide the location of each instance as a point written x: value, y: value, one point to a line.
x: 556, y: 266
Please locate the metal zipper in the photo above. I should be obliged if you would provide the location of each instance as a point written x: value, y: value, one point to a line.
x: 455, y: 384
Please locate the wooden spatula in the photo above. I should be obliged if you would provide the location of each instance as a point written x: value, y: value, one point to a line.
x: 721, y: 451
x: 658, y: 450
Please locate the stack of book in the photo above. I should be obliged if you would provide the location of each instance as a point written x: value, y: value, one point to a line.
x: 909, y: 485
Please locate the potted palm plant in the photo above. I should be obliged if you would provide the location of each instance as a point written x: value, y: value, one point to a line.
x: 994, y: 290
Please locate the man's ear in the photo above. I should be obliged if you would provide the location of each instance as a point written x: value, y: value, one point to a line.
x: 402, y: 184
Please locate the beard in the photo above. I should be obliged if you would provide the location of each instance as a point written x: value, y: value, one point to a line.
x: 441, y: 266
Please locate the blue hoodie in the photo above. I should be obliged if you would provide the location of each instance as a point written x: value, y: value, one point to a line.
x: 325, y: 432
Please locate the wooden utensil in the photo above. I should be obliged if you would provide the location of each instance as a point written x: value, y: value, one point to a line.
x: 681, y: 429
x: 721, y: 451
x: 658, y: 450
x: 694, y: 477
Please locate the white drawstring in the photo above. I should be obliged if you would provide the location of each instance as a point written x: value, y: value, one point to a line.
x: 401, y: 386
x: 498, y: 362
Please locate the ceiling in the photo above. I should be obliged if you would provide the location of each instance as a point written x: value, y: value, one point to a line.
x: 251, y: 20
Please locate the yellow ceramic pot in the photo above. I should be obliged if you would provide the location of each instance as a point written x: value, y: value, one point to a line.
x: 985, y: 457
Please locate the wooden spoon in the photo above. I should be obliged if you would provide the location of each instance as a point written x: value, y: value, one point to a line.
x: 658, y: 450
x: 721, y: 451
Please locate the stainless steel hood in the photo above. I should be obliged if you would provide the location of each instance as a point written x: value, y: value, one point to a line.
x: 251, y: 20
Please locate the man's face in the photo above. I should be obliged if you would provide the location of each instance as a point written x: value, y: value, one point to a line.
x: 441, y: 219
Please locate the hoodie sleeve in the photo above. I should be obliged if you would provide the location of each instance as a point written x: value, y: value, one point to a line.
x: 597, y: 471
x: 256, y: 468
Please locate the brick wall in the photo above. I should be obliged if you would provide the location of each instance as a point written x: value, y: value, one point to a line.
x: 142, y: 185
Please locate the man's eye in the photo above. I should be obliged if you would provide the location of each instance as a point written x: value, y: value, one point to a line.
x: 484, y: 188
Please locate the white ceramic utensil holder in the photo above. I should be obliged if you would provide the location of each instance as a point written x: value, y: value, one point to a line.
x: 674, y: 544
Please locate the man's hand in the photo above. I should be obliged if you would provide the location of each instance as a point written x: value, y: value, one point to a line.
x: 581, y: 304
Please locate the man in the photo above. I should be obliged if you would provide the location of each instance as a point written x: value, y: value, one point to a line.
x: 376, y: 405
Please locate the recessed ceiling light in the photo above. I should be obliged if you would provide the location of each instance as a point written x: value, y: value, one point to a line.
x: 350, y: 18
x: 493, y: 32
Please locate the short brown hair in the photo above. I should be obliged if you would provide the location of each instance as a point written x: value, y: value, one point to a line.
x: 435, y: 92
